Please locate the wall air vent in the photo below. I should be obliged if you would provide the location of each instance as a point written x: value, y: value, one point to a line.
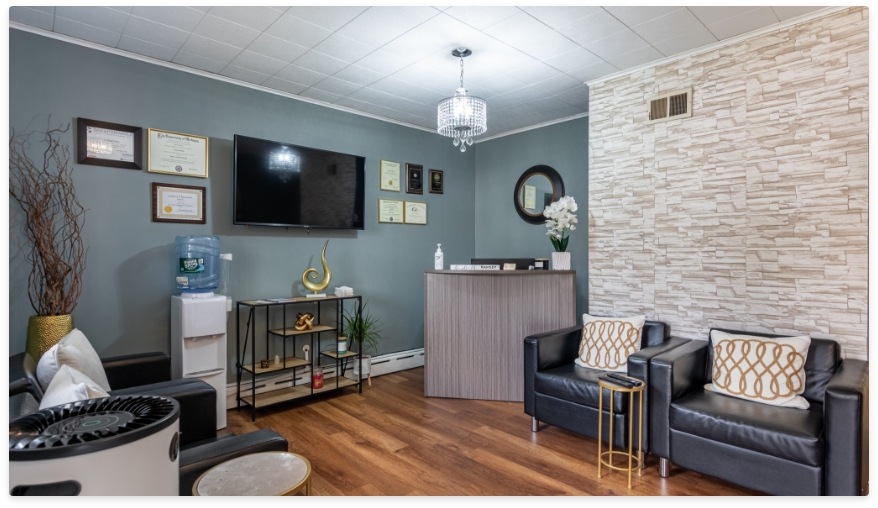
x: 676, y: 104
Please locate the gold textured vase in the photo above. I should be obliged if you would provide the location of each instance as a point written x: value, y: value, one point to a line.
x: 43, y: 332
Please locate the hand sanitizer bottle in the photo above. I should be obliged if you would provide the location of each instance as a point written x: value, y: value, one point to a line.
x: 438, y: 262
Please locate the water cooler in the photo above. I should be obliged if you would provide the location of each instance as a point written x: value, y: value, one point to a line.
x: 198, y: 317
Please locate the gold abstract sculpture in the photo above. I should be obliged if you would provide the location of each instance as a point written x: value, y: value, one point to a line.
x: 311, y: 273
x: 304, y: 321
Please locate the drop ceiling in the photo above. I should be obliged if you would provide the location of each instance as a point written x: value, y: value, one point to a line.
x: 529, y: 63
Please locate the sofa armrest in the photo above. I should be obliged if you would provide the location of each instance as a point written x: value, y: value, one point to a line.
x: 197, y: 401
x: 672, y: 373
x: 197, y: 459
x: 137, y: 369
x: 846, y: 420
x: 544, y: 351
x: 638, y: 362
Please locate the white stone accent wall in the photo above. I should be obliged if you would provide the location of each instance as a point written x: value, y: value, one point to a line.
x: 752, y: 214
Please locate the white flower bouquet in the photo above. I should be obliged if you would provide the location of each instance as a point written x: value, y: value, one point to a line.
x: 560, y: 220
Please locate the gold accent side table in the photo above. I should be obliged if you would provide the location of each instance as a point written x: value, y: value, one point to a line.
x: 257, y: 474
x: 606, y: 458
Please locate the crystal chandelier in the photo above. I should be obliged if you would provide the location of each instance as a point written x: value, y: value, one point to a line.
x: 462, y: 117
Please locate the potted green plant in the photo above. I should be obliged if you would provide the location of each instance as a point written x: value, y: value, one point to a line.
x: 40, y: 182
x: 364, y: 329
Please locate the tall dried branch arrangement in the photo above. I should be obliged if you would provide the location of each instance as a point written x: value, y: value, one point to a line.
x: 53, y: 217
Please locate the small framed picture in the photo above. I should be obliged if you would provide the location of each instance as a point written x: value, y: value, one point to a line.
x: 437, y: 181
x: 108, y: 144
x: 415, y: 213
x: 390, y: 176
x: 178, y: 203
x: 414, y: 178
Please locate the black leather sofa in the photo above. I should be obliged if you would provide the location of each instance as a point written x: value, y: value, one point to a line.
x: 150, y: 374
x: 560, y: 393
x: 822, y: 450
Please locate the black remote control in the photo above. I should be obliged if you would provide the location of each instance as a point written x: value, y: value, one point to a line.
x: 617, y: 381
x: 624, y: 378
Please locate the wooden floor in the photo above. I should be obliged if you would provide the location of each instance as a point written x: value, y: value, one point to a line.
x: 393, y: 441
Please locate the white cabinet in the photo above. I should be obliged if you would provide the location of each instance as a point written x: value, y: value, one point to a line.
x: 198, y: 344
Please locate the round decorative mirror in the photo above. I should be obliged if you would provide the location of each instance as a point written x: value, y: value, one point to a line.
x: 535, y: 190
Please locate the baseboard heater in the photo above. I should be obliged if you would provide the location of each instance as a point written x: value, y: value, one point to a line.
x: 383, y: 364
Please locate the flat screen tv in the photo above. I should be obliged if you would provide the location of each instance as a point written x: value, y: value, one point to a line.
x: 285, y: 185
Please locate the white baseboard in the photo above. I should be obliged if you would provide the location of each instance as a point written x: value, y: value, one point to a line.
x: 383, y: 364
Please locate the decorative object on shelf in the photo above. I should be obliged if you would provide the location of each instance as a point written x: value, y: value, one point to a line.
x: 108, y: 144
x: 277, y: 360
x: 462, y: 116
x: 311, y: 273
x: 52, y: 228
x: 317, y: 378
x: 304, y: 321
x: 364, y: 329
x: 306, y: 352
x: 344, y: 291
x: 177, y: 153
x: 264, y: 364
x: 560, y: 221
x: 342, y: 345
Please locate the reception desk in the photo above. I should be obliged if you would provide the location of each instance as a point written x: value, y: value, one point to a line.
x: 475, y: 323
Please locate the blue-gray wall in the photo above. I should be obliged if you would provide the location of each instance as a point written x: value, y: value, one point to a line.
x: 500, y: 232
x: 129, y: 275
x: 125, y: 304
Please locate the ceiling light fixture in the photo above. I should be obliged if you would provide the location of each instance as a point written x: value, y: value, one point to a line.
x: 462, y: 117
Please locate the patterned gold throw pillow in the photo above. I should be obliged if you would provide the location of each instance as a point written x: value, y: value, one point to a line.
x: 761, y: 369
x: 608, y: 341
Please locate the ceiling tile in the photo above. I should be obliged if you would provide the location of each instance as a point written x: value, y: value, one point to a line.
x: 295, y: 30
x: 219, y: 29
x: 382, y: 62
x: 379, y: 25
x: 592, y: 28
x: 37, y: 17
x: 145, y: 48
x: 637, y: 57
x: 595, y: 71
x: 697, y: 37
x: 631, y: 15
x: 242, y: 74
x: 358, y: 75
x: 321, y: 95
x: 576, y: 58
x: 156, y: 33
x: 101, y: 17
x: 284, y: 85
x: 296, y: 74
x: 258, y: 63
x: 557, y: 17
x: 330, y: 18
x: 209, y: 48
x: 275, y: 48
x: 619, y: 43
x: 786, y: 13
x: 184, y: 18
x: 557, y: 84
x: 86, y: 32
x: 667, y: 26
x: 318, y: 62
x: 198, y: 62
x: 481, y: 17
x: 747, y: 21
x: 343, y: 48
x: 337, y: 86
x: 257, y: 18
x: 575, y: 96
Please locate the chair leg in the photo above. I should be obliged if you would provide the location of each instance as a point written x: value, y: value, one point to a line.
x: 664, y: 467
x: 534, y: 424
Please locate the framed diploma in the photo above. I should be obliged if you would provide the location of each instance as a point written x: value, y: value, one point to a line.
x: 414, y: 178
x: 178, y: 203
x: 108, y: 144
x: 390, y: 176
x: 415, y: 213
x: 391, y: 211
x: 176, y: 153
x: 437, y: 181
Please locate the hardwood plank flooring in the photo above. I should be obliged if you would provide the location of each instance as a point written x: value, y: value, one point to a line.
x: 392, y: 441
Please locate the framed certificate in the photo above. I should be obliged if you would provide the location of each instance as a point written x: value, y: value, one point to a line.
x: 108, y: 144
x: 437, y: 181
x: 390, y: 211
x: 415, y: 213
x: 176, y: 153
x: 178, y: 203
x: 414, y: 178
x: 390, y: 176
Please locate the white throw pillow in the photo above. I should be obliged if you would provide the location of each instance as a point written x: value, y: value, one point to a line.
x: 607, y: 342
x: 70, y: 385
x: 770, y: 370
x: 74, y: 350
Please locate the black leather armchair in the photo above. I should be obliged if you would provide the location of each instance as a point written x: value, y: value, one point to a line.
x: 150, y: 374
x: 561, y: 393
x: 822, y: 450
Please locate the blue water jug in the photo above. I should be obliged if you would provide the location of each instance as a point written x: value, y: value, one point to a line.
x: 197, y: 262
